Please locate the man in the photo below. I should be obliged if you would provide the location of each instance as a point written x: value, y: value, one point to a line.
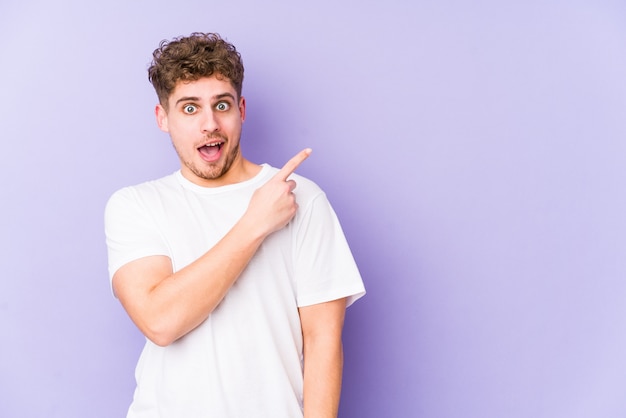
x: 238, y: 274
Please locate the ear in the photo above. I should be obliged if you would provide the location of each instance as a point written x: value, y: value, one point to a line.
x: 242, y: 108
x: 161, y: 118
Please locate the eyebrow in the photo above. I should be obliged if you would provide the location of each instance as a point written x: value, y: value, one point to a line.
x: 197, y: 99
x: 187, y: 99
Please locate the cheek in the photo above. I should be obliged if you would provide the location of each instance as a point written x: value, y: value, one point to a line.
x: 235, y: 124
x: 181, y: 130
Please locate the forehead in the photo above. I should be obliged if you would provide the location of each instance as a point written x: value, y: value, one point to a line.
x: 205, y: 88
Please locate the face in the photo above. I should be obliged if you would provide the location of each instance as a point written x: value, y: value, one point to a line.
x: 204, y: 120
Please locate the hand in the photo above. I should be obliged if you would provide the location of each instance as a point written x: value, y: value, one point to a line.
x: 273, y: 205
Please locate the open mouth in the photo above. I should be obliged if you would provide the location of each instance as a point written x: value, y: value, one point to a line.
x: 212, y: 151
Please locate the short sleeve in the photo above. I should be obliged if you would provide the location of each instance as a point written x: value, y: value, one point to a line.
x: 131, y: 233
x: 325, y: 269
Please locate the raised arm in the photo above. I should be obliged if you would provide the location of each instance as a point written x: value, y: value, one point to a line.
x: 166, y: 305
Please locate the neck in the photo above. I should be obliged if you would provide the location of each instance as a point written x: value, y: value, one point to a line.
x: 240, y: 170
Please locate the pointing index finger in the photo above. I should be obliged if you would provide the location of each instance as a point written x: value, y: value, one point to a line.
x: 292, y: 164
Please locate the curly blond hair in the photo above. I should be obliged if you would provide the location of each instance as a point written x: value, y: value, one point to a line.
x: 188, y: 58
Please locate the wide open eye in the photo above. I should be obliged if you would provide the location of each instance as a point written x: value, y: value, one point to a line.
x: 222, y: 106
x: 189, y: 109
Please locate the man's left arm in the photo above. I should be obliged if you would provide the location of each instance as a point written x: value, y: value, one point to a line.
x: 322, y: 326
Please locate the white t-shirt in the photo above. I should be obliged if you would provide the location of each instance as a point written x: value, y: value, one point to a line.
x: 245, y: 359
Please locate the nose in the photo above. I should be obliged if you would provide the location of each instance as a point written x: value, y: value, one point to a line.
x: 210, y: 122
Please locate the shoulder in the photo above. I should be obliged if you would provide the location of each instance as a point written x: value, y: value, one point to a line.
x: 161, y: 185
x: 306, y: 189
x: 142, y: 193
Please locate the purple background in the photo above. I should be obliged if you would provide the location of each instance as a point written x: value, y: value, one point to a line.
x: 474, y: 152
